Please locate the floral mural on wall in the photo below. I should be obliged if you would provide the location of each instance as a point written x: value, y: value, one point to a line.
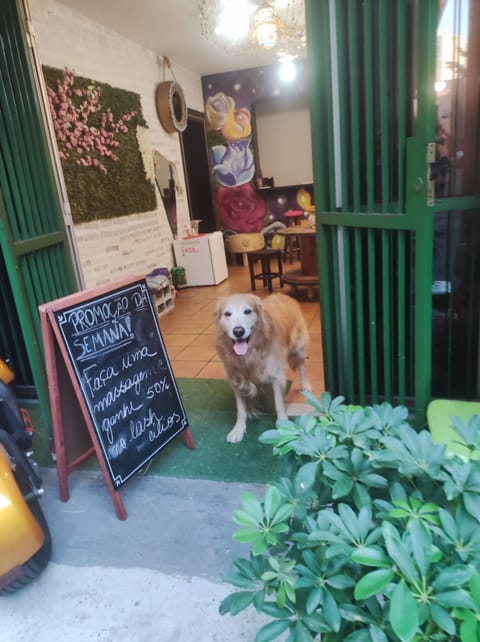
x: 241, y: 206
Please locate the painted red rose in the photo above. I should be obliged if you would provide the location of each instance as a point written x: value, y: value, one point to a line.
x: 240, y: 208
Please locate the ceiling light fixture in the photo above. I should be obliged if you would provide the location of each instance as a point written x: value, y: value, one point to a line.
x: 266, y: 26
x: 239, y: 25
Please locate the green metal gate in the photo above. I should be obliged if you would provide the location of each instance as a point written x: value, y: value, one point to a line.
x: 373, y: 126
x: 35, y: 264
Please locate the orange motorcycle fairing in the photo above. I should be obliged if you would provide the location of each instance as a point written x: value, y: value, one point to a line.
x: 20, y: 534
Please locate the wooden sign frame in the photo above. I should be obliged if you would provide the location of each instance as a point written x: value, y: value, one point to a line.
x: 75, y: 433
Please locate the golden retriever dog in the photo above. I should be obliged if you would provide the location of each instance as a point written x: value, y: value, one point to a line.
x: 256, y: 340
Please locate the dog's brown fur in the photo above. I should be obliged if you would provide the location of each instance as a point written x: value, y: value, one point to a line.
x: 277, y: 335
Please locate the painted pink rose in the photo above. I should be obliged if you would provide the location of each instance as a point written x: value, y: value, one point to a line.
x: 240, y: 208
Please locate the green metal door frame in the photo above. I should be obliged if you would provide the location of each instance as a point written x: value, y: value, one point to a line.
x: 372, y: 65
x: 32, y: 233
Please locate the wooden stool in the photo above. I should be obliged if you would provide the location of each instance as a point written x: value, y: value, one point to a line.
x: 266, y: 275
x: 291, y: 250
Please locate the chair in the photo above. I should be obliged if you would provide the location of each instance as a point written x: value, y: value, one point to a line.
x: 253, y: 247
x: 264, y: 256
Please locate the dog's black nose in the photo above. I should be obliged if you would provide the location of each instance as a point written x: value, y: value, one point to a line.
x: 238, y: 331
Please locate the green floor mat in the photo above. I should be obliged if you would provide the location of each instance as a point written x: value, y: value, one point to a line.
x: 210, y: 408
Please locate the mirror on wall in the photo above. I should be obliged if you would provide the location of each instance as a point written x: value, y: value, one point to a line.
x: 166, y: 178
x: 283, y: 140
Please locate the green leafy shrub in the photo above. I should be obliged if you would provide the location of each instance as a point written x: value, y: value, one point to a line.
x: 373, y: 536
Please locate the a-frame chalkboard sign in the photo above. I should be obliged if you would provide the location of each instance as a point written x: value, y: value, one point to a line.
x: 112, y: 390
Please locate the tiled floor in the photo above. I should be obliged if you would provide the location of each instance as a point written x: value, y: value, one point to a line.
x: 188, y: 331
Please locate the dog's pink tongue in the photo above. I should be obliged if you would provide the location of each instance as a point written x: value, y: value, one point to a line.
x: 240, y: 346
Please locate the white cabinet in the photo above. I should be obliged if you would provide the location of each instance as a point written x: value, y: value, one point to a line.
x: 203, y: 258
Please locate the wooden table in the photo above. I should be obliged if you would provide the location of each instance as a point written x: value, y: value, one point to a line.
x: 307, y: 275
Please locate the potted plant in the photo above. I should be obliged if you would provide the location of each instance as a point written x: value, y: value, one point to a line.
x: 373, y: 535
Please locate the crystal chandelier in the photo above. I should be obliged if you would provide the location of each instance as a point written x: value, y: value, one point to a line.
x: 240, y: 25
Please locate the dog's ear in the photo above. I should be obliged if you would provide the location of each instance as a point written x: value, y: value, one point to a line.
x: 262, y: 321
x: 218, y: 311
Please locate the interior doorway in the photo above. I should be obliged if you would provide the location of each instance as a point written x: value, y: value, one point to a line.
x: 197, y: 172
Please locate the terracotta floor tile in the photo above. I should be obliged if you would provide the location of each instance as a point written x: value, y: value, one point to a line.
x: 198, y: 353
x: 188, y: 369
x: 212, y: 370
x: 179, y: 339
x: 203, y: 340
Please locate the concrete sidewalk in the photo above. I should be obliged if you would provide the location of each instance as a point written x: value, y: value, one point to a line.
x: 155, y: 577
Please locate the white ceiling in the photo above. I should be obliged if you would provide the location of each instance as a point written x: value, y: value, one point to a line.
x: 167, y: 27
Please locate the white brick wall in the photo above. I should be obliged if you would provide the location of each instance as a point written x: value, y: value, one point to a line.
x: 130, y: 245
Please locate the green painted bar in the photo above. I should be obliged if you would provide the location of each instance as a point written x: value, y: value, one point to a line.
x: 342, y: 103
x: 318, y: 108
x: 10, y: 188
x: 377, y: 221
x: 426, y: 123
x: 318, y: 39
x: 5, y: 191
x: 59, y: 253
x: 56, y: 259
x: 372, y: 315
x: 325, y: 54
x: 402, y: 309
x: 383, y: 51
x: 360, y: 325
x: 38, y: 293
x: 327, y: 306
x: 38, y: 243
x: 401, y: 105
x: 336, y: 310
x: 368, y: 68
x: 41, y: 263
x: 30, y: 283
x: 349, y: 348
x: 458, y: 204
x: 354, y: 106
x: 386, y: 253
x: 328, y: 122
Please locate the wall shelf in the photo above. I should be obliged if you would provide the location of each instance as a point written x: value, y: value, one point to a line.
x: 163, y: 297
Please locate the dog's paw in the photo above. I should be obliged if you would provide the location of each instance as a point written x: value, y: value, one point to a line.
x: 306, y: 386
x: 236, y: 434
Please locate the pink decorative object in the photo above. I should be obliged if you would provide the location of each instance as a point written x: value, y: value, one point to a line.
x: 71, y: 109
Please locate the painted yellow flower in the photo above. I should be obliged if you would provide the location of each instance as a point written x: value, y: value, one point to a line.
x: 237, y: 124
x: 304, y: 199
